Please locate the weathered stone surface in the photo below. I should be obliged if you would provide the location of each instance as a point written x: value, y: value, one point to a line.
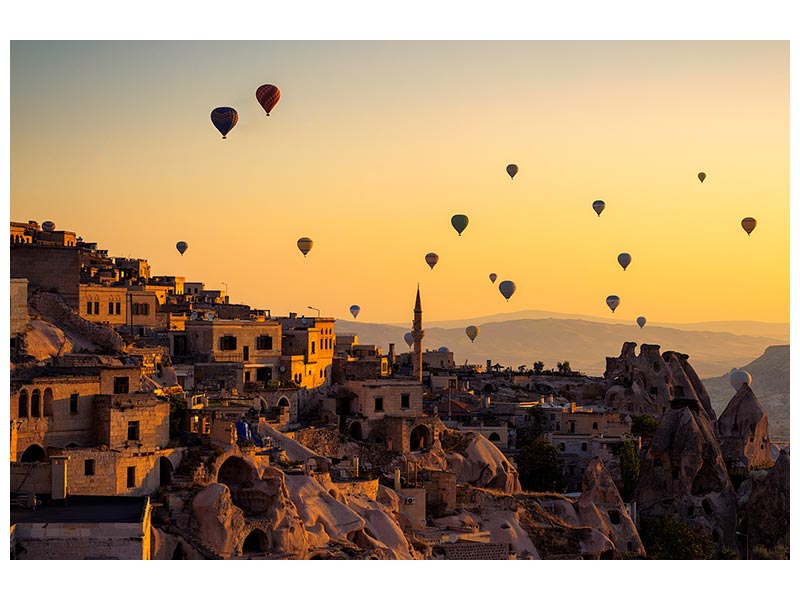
x: 743, y: 431
x: 481, y: 464
x: 766, y: 512
x: 219, y: 522
x: 381, y: 529
x: 53, y: 308
x: 600, y: 507
x: 683, y: 475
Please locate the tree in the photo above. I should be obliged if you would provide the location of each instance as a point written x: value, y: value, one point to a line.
x: 643, y: 425
x: 538, y: 367
x: 177, y: 414
x: 667, y: 538
x: 533, y: 428
x: 539, y: 467
x: 521, y: 368
x: 629, y: 464
x: 564, y: 368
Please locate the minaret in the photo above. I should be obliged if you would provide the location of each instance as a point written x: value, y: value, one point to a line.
x: 417, y: 333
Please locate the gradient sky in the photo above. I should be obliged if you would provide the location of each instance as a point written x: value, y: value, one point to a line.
x: 374, y: 145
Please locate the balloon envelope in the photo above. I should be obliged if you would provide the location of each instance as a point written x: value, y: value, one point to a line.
x: 640, y: 321
x: 431, y: 258
x: 48, y: 226
x: 354, y: 310
x: 512, y: 170
x: 459, y: 222
x: 492, y: 277
x: 701, y: 176
x: 613, y: 302
x: 409, y: 338
x: 268, y: 96
x: 624, y: 260
x: 507, y: 288
x: 182, y: 247
x: 598, y: 206
x: 224, y: 119
x: 748, y: 224
x: 739, y: 378
x: 472, y: 332
x: 305, y: 244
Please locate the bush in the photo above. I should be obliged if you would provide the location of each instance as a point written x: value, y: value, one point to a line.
x: 667, y: 538
x: 644, y: 425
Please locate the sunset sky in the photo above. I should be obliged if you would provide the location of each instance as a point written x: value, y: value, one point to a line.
x: 375, y: 145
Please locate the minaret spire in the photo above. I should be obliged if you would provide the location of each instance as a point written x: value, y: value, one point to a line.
x: 417, y: 333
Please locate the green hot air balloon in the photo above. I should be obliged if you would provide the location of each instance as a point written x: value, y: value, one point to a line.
x: 507, y: 288
x: 624, y: 260
x: 472, y: 332
x: 224, y: 119
x: 459, y: 222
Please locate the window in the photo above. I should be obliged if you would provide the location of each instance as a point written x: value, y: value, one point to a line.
x: 405, y: 400
x: 584, y: 446
x: 117, y: 308
x: 594, y: 425
x: 145, y: 309
x: 97, y: 308
x: 73, y: 404
x: 264, y: 342
x: 131, y: 477
x: 120, y: 385
x: 88, y: 308
x: 227, y: 342
x: 247, y: 375
x: 111, y: 308
x: 246, y: 353
x: 36, y: 402
x: 313, y: 347
x: 133, y: 430
x: 22, y: 408
x: 88, y: 466
x: 378, y: 404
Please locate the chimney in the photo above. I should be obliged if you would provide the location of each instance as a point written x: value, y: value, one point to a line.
x: 391, y: 353
x: 397, y: 480
x: 58, y: 467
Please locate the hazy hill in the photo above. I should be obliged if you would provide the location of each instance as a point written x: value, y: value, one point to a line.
x: 585, y: 344
x: 770, y: 373
x: 778, y: 331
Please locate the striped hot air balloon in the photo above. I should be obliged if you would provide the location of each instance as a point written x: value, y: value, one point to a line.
x: 224, y: 119
x: 268, y: 96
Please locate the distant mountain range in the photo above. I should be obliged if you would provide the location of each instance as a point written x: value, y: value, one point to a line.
x: 583, y: 342
x: 770, y: 373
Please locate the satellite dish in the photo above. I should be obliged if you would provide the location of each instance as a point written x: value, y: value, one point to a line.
x: 194, y: 315
x: 210, y: 316
x: 444, y: 349
x: 48, y: 226
x: 304, y: 320
x: 282, y: 368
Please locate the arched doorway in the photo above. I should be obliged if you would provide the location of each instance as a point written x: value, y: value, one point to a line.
x: 34, y: 453
x: 22, y: 407
x: 420, y: 438
x: 36, y: 403
x: 178, y: 553
x: 234, y: 472
x: 255, y: 542
x: 284, y: 401
x: 165, y: 470
x: 355, y: 431
x: 494, y: 437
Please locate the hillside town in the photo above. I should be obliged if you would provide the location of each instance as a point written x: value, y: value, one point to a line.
x: 154, y: 418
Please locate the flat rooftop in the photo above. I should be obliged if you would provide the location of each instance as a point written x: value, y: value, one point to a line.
x: 85, y: 509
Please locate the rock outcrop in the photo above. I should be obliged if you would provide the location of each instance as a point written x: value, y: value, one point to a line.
x: 743, y: 433
x: 683, y: 475
x: 479, y: 462
x: 766, y: 510
x: 601, y: 507
x: 53, y: 308
x: 220, y: 523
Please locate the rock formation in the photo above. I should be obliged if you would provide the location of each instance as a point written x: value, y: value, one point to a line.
x: 743, y: 432
x: 683, y: 475
x: 220, y: 523
x: 766, y: 510
x: 53, y: 308
x: 478, y: 461
x: 600, y: 507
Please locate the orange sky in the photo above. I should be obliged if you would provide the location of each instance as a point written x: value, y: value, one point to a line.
x: 374, y: 145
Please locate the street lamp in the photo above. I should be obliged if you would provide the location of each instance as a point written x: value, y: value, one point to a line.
x: 316, y: 309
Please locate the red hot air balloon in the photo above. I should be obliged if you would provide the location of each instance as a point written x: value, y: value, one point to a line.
x: 268, y: 96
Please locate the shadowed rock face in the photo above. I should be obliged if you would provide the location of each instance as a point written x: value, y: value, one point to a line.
x: 483, y: 465
x: 600, y: 507
x: 649, y: 382
x: 744, y: 433
x: 766, y: 513
x: 683, y: 476
x: 220, y: 523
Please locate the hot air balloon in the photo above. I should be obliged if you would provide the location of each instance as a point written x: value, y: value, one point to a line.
x: 472, y: 332
x: 431, y: 258
x: 507, y: 288
x: 409, y: 339
x: 459, y: 222
x: 224, y: 119
x: 640, y: 321
x: 305, y: 244
x: 268, y: 96
x: 512, y: 170
x: 701, y: 176
x: 598, y: 206
x: 613, y: 302
x: 182, y: 247
x: 354, y: 310
x: 48, y: 226
x: 739, y: 378
x: 748, y: 224
x: 624, y: 260
x: 492, y: 277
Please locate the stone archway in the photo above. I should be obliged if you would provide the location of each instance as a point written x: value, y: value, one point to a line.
x: 34, y: 453
x: 494, y: 437
x: 284, y: 401
x: 165, y: 470
x: 420, y: 438
x: 356, y: 431
x: 256, y: 542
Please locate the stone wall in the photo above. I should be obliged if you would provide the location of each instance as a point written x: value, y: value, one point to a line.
x: 113, y: 414
x: 57, y: 309
x: 474, y: 551
x: 48, y: 268
x: 322, y: 441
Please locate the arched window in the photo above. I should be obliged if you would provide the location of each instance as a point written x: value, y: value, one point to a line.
x: 48, y: 402
x: 22, y: 409
x: 36, y: 403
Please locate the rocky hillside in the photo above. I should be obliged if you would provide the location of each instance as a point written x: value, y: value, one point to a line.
x: 770, y: 373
